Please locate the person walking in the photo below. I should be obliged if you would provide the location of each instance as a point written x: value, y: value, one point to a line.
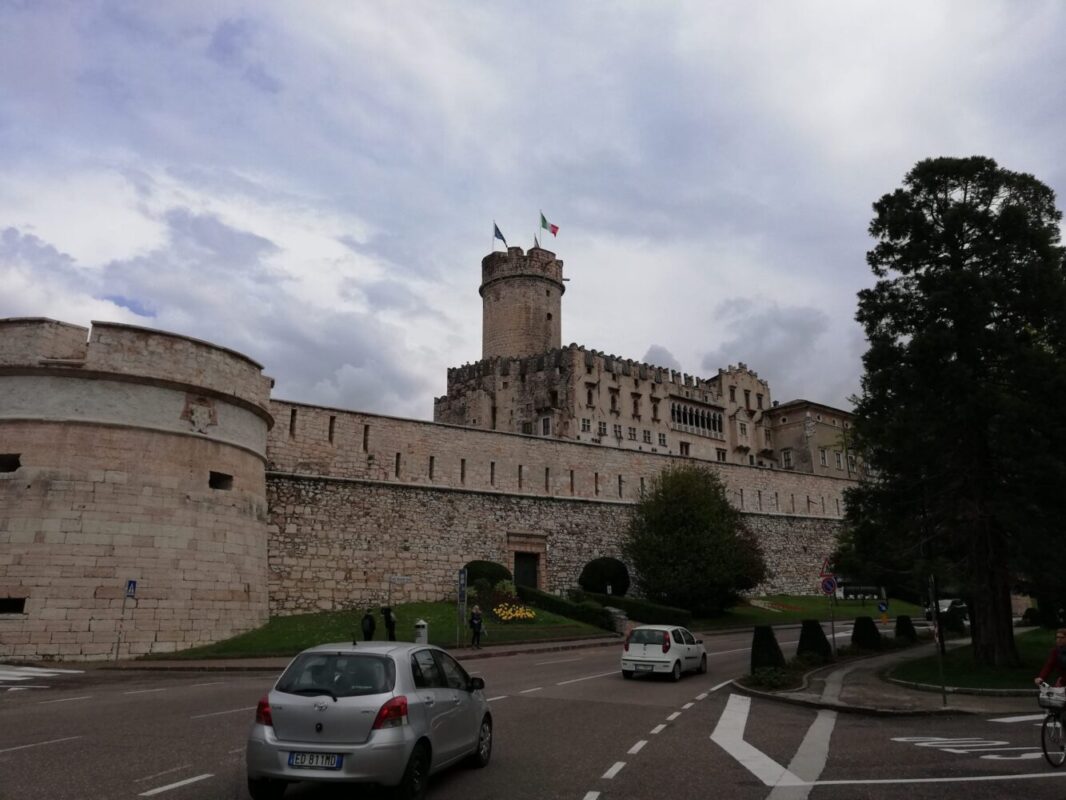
x: 368, y: 625
x: 475, y: 627
x: 390, y: 622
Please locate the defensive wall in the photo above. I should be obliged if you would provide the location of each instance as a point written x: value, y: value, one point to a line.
x: 128, y: 454
x: 356, y: 497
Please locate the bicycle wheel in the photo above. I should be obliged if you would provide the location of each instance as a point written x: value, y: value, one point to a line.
x: 1053, y: 741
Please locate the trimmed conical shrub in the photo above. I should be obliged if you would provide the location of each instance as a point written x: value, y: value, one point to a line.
x: 905, y: 629
x: 813, y: 643
x: 765, y: 651
x: 865, y: 635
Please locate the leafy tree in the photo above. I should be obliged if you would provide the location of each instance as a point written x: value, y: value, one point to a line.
x: 689, y: 546
x: 966, y: 365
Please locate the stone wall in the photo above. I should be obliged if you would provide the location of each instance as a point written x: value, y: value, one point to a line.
x: 128, y: 455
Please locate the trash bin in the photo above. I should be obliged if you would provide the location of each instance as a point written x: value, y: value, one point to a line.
x: 421, y: 632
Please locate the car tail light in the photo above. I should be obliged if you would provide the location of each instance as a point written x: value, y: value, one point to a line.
x: 262, y: 712
x: 392, y: 714
x: 666, y: 641
x: 625, y: 645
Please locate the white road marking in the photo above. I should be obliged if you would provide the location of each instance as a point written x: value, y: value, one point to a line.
x: 498, y: 697
x: 1023, y: 718
x: 144, y: 691
x: 50, y: 670
x: 64, y: 699
x: 164, y: 772
x: 966, y: 779
x: 170, y: 786
x: 810, y: 758
x: 673, y: 716
x: 591, y: 796
x: 527, y: 691
x: 702, y: 696
x: 637, y: 747
x: 24, y: 688
x: 719, y: 686
x: 220, y: 713
x: 14, y: 676
x: 560, y: 661
x: 587, y: 678
x: 614, y: 770
x: 729, y: 735
x: 658, y: 729
x: 38, y: 744
x: 216, y: 683
x: 687, y: 706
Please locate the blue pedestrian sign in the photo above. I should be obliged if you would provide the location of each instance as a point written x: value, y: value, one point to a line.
x: 462, y: 585
x: 131, y: 588
x: 882, y: 607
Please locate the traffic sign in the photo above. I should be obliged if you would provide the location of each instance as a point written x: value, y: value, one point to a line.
x: 131, y: 588
x: 827, y: 570
x: 882, y: 607
x: 828, y: 585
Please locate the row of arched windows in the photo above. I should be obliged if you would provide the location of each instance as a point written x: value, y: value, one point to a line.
x: 697, y: 418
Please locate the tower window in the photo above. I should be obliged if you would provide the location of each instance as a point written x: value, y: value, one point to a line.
x: 220, y: 480
x: 12, y: 605
x: 9, y: 462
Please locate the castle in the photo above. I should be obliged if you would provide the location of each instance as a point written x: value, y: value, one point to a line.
x: 154, y: 496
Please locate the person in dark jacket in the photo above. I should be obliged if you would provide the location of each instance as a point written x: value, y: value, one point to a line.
x: 368, y: 625
x: 475, y: 627
x: 390, y: 622
x: 1056, y: 661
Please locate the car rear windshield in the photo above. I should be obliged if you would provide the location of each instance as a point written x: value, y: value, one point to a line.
x: 645, y: 636
x: 338, y: 674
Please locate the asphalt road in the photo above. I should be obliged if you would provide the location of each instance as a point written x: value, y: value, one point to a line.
x: 567, y: 726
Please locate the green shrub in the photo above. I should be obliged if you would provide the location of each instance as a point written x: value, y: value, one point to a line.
x: 864, y: 635
x: 489, y: 570
x: 765, y: 651
x: 813, y: 644
x: 593, y: 614
x: 905, y: 629
x: 600, y: 573
x: 952, y: 622
x: 639, y: 610
x: 506, y: 587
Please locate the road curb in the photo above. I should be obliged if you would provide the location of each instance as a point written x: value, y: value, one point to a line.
x: 871, y: 711
x: 963, y: 690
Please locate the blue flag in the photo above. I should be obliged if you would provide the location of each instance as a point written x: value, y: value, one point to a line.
x: 498, y: 235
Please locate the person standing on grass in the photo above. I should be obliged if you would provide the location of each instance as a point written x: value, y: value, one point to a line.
x: 1056, y: 661
x: 390, y: 622
x: 368, y: 625
x: 475, y: 627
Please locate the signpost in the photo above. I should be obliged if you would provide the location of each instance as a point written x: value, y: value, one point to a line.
x: 399, y: 580
x: 131, y: 592
x: 828, y: 585
x: 460, y: 616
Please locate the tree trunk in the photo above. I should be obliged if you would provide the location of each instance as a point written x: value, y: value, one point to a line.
x: 991, y: 619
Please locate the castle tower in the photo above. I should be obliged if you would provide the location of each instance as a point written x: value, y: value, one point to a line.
x: 132, y: 491
x: 521, y: 297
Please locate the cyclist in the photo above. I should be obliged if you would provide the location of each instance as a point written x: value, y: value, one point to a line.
x: 1056, y: 660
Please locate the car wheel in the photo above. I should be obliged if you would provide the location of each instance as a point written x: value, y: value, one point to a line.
x: 703, y: 665
x: 265, y: 789
x: 415, y: 779
x: 627, y: 674
x: 483, y: 753
x: 676, y: 674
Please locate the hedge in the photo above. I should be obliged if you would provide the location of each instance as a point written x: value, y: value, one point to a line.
x: 865, y: 635
x: 639, y: 610
x: 593, y: 615
x: 813, y: 643
x: 765, y: 651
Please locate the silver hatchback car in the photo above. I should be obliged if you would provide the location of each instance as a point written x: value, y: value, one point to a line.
x: 377, y: 712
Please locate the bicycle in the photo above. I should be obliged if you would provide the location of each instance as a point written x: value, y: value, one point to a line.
x: 1052, y: 734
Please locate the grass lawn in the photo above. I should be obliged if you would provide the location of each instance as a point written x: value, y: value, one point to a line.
x: 960, y: 669
x: 286, y: 636
x: 790, y: 609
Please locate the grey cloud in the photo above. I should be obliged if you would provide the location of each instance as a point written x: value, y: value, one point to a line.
x: 25, y: 248
x: 661, y: 357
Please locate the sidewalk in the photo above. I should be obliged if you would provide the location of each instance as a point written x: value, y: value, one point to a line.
x: 857, y: 687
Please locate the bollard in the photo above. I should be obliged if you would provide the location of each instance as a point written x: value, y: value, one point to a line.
x: 421, y: 632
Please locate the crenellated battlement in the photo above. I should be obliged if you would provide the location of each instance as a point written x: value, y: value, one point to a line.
x: 537, y: 263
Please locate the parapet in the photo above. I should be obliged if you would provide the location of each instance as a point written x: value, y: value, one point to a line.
x: 538, y: 263
x: 129, y: 350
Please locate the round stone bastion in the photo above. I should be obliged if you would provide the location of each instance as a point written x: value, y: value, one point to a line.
x: 132, y: 491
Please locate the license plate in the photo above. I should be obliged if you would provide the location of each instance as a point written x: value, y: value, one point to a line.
x: 315, y: 760
x: 644, y: 667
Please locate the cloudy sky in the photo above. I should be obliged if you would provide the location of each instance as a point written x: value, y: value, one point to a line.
x: 314, y: 184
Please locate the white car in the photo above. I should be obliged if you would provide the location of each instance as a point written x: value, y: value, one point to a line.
x: 662, y: 649
x: 374, y: 712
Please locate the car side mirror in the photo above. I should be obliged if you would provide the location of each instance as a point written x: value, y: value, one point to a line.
x: 476, y: 684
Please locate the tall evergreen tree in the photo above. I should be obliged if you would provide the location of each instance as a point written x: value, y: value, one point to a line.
x: 689, y: 545
x: 966, y: 366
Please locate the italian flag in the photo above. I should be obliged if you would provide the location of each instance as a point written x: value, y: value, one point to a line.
x: 553, y: 229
